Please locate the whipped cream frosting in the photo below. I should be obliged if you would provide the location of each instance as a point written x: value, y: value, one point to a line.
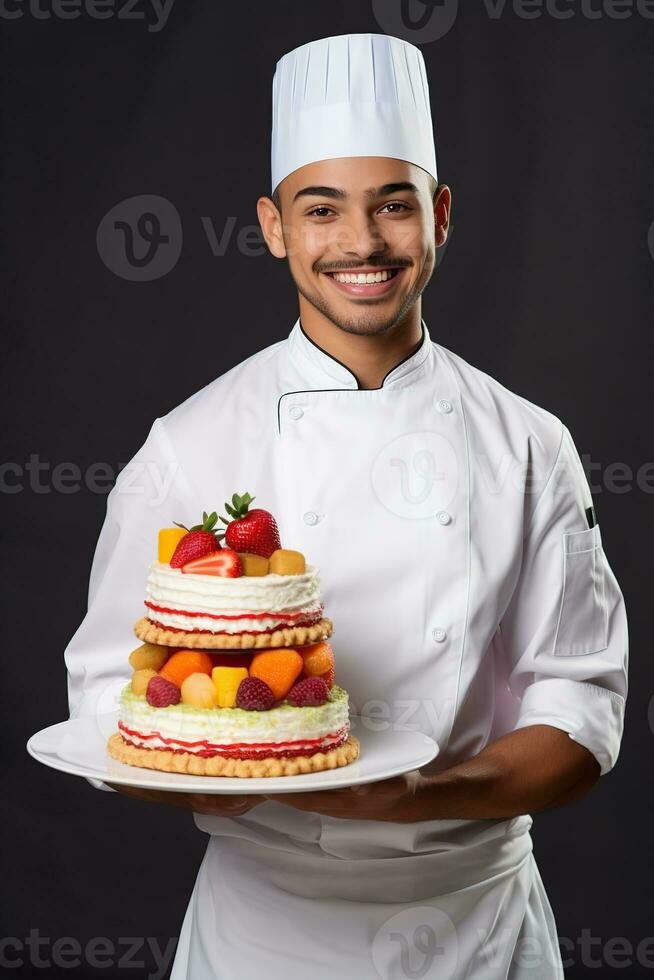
x: 249, y: 603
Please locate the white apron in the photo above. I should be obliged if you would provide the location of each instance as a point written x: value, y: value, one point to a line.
x: 446, y: 899
x: 464, y: 607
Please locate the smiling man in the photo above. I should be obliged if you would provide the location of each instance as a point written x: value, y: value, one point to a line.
x: 460, y: 559
x: 361, y: 249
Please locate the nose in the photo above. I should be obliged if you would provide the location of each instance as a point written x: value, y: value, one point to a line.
x: 362, y: 238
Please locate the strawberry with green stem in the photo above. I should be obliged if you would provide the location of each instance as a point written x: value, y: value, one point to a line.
x: 254, y: 531
x: 201, y: 540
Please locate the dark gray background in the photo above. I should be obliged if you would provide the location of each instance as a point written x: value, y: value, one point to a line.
x: 544, y: 133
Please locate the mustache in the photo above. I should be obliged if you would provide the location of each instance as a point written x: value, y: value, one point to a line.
x: 378, y: 263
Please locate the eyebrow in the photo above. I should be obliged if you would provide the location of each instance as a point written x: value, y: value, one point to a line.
x: 337, y: 193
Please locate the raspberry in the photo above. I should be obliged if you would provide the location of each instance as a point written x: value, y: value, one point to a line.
x: 308, y: 693
x: 254, y: 694
x: 160, y: 692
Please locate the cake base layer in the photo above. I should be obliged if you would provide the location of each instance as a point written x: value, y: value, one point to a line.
x: 185, y: 762
x: 288, y: 636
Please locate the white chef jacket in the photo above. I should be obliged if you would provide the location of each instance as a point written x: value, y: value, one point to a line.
x: 449, y: 518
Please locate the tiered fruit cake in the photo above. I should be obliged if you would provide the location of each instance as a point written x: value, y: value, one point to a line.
x: 235, y: 677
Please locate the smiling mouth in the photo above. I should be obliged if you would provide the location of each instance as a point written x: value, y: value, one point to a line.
x: 364, y: 283
x: 364, y: 278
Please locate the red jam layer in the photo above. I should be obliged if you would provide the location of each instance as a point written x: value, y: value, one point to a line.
x: 290, y: 617
x: 240, y: 750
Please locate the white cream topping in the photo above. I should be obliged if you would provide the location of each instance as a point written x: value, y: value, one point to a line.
x: 171, y: 588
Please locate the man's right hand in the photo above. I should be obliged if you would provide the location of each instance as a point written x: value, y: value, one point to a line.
x: 210, y: 804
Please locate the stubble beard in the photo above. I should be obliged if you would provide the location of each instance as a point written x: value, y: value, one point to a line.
x: 366, y: 323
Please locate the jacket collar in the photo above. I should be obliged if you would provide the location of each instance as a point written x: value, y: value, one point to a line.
x: 322, y: 371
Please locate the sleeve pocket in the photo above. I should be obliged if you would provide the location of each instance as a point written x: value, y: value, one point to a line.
x: 583, y: 625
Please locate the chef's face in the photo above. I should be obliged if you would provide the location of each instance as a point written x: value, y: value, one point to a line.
x: 360, y: 235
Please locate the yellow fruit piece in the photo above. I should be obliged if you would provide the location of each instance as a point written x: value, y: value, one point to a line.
x: 286, y: 562
x: 141, y: 679
x: 226, y: 681
x: 169, y: 538
x: 198, y: 690
x: 149, y: 656
x: 253, y: 564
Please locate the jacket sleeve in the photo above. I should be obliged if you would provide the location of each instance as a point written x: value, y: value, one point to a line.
x: 565, y: 628
x: 149, y: 493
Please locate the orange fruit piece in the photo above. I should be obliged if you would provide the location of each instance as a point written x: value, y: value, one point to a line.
x: 253, y: 564
x: 184, y: 663
x: 287, y: 562
x: 328, y: 677
x: 318, y: 658
x: 279, y: 669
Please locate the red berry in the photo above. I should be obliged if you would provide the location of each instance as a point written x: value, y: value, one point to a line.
x: 194, y: 545
x: 201, y: 540
x: 253, y: 531
x: 309, y: 693
x: 254, y: 694
x: 225, y: 563
x: 160, y: 692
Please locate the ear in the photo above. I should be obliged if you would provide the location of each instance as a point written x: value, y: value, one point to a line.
x: 271, y: 225
x: 442, y: 209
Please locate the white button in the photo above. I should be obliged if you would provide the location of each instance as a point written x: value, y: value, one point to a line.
x: 439, y: 635
x: 311, y: 518
x: 295, y: 412
x: 444, y: 406
x: 443, y: 517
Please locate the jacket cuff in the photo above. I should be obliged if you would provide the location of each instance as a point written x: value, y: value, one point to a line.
x: 591, y: 715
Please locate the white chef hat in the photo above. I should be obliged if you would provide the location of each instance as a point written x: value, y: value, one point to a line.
x: 348, y: 96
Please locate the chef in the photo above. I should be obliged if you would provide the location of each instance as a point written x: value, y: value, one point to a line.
x: 461, y: 562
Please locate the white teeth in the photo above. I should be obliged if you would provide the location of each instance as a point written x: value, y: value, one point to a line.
x: 363, y: 278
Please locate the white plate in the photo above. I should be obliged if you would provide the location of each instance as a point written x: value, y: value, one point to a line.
x: 78, y: 747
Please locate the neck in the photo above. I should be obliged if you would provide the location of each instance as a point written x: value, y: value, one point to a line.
x: 368, y: 357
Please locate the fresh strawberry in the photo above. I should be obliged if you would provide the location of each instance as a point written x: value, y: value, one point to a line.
x: 328, y: 677
x: 225, y: 563
x: 254, y: 531
x: 200, y: 540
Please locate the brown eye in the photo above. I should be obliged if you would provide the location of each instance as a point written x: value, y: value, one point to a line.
x: 399, y: 205
x: 321, y: 212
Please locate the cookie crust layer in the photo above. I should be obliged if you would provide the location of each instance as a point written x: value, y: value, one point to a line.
x: 288, y: 636
x: 184, y: 762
